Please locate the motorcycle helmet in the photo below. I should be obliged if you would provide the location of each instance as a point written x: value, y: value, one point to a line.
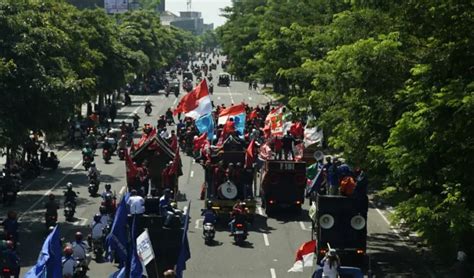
x: 68, y: 250
x: 69, y: 185
x: 108, y: 186
x: 209, y: 204
x: 97, y: 217
x: 51, y: 197
x: 11, y: 214
x: 78, y: 236
x: 10, y: 244
x: 92, y: 164
x: 243, y: 205
x: 102, y: 209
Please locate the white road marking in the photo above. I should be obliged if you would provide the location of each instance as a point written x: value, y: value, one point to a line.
x: 260, y: 211
x: 49, y: 191
x: 383, y: 216
x: 175, y: 101
x: 138, y: 108
x: 272, y: 272
x: 82, y: 222
x: 218, y: 98
x: 303, y: 226
x: 191, y: 174
x: 122, y: 190
x: 265, y: 239
x: 198, y: 224
x: 250, y: 98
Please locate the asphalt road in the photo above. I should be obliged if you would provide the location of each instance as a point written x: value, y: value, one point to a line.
x: 272, y: 242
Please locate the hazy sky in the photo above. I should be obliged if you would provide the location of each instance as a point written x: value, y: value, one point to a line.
x: 208, y: 8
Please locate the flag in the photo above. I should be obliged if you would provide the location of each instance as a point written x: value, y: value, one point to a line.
x: 119, y: 273
x: 117, y: 238
x: 184, y: 253
x: 304, y: 256
x: 136, y: 269
x: 196, y: 103
x: 297, y: 130
x: 49, y: 264
x: 130, y: 167
x: 250, y: 154
x: 265, y: 152
x: 205, y: 124
x: 199, y: 142
x: 316, y: 182
x: 176, y: 169
x: 237, y: 113
x: 253, y: 114
x: 274, y: 121
x: 312, y: 136
x: 299, y: 151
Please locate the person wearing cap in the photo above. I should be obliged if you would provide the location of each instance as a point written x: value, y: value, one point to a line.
x: 330, y: 264
x: 70, y: 196
x: 80, y: 249
x: 136, y: 203
x: 68, y: 262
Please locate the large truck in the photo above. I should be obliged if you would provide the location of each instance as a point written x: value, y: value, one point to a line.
x: 225, y: 193
x: 341, y: 224
x: 282, y: 184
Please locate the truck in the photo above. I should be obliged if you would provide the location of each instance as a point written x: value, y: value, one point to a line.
x: 225, y: 193
x: 340, y: 223
x: 282, y: 185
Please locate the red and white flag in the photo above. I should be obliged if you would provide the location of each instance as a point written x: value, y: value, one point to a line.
x: 196, y: 103
x: 304, y: 256
x: 274, y: 121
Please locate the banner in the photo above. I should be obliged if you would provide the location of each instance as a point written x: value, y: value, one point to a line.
x: 144, y: 248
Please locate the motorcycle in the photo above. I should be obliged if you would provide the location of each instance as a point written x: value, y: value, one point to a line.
x: 6, y: 272
x: 69, y: 211
x: 106, y: 155
x: 121, y: 154
x: 86, y: 162
x: 81, y: 270
x: 211, y: 88
x: 50, y: 163
x: 148, y: 110
x: 98, y: 247
x: 240, y: 235
x: 176, y: 92
x: 209, y: 233
x: 169, y: 121
x: 127, y: 100
x: 110, y: 204
x: 51, y: 221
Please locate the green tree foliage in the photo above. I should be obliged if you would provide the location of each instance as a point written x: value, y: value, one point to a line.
x: 208, y: 40
x: 390, y: 82
x: 54, y: 57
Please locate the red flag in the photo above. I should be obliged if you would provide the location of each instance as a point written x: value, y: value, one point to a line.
x: 265, y: 152
x: 299, y: 151
x: 200, y: 141
x: 297, y: 130
x: 131, y: 168
x: 253, y: 114
x: 250, y: 154
x: 274, y: 122
x: 304, y: 256
x: 232, y: 110
x: 176, y: 168
x: 193, y: 101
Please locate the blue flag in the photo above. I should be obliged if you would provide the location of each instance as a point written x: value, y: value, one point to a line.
x: 206, y: 124
x: 119, y: 273
x: 49, y: 264
x: 239, y: 122
x: 185, y: 252
x: 136, y: 264
x: 117, y: 239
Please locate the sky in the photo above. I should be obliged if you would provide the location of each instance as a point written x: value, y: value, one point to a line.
x: 210, y: 9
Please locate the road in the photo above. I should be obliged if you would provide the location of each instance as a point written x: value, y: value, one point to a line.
x: 272, y: 241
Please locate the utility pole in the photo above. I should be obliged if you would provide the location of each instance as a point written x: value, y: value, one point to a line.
x: 188, y: 3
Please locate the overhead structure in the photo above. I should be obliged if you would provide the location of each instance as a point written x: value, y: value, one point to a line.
x: 188, y: 3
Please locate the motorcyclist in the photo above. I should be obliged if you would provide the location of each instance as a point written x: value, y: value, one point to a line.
x: 87, y: 152
x: 148, y: 105
x: 108, y: 198
x: 107, y: 145
x: 70, y: 196
x: 209, y: 214
x: 122, y: 143
x: 80, y: 249
x: 238, y: 215
x: 68, y: 262
x: 97, y: 228
x: 12, y: 259
x: 93, y: 172
x: 135, y: 117
x: 8, y: 183
x: 10, y: 226
x: 211, y: 88
x: 91, y: 140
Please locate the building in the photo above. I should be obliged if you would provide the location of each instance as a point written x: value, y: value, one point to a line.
x: 189, y: 21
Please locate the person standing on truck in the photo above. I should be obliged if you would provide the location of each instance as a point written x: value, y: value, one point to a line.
x: 136, y: 203
x: 277, y: 147
x: 288, y: 142
x: 333, y: 178
x: 330, y: 264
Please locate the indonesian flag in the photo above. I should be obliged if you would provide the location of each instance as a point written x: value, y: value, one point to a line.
x: 253, y: 114
x: 274, y: 121
x: 199, y: 142
x: 304, y: 256
x: 196, y: 103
